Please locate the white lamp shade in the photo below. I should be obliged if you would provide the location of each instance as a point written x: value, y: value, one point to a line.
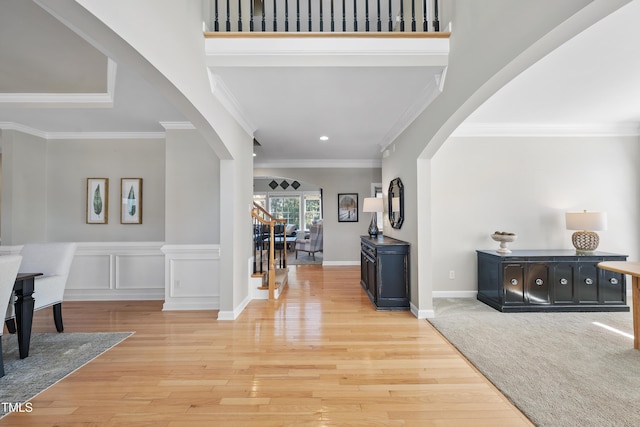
x: 373, y: 204
x: 588, y: 221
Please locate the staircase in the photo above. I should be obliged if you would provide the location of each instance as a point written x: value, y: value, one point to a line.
x: 269, y: 270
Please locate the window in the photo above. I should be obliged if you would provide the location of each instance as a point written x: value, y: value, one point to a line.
x: 261, y: 200
x: 285, y: 207
x: 312, y: 209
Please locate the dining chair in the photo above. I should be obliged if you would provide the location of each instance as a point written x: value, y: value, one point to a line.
x: 9, y: 265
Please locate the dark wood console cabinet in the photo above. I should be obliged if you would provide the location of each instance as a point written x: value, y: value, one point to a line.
x: 550, y: 280
x: 384, y: 264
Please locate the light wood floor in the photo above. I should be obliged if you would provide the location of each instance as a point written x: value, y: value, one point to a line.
x: 320, y: 356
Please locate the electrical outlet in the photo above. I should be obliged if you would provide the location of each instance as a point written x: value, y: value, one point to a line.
x: 452, y: 274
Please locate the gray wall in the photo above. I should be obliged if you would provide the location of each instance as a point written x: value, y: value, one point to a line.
x: 193, y: 189
x: 24, y: 196
x: 341, y: 239
x: 71, y: 162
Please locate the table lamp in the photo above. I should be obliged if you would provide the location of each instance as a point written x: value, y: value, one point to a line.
x: 373, y: 205
x: 586, y: 239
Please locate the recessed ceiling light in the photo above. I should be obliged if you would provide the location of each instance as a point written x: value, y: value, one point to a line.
x: 324, y: 138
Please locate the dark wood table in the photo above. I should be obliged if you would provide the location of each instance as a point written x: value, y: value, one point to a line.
x: 23, y: 305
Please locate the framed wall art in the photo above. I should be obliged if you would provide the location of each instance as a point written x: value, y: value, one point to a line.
x: 347, y: 207
x: 97, y: 200
x: 131, y: 201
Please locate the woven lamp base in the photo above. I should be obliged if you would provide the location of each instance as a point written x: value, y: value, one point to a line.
x: 585, y: 241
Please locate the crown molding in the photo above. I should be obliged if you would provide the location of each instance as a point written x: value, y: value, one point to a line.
x: 318, y: 163
x: 222, y: 93
x: 177, y: 125
x: 66, y: 100
x: 546, y: 130
x: 80, y: 135
x: 425, y: 97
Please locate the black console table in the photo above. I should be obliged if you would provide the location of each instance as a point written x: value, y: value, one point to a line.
x: 384, y: 264
x: 550, y: 280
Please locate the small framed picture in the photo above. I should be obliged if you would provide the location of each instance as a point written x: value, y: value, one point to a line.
x: 97, y: 200
x: 131, y: 201
x: 348, y: 207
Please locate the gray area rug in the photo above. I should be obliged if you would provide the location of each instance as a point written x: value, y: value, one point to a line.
x: 559, y: 369
x: 51, y: 358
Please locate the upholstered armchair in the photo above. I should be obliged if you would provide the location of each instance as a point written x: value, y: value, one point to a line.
x: 9, y: 265
x: 53, y: 260
x: 313, y: 244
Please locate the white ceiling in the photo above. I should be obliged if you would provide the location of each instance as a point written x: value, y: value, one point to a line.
x: 594, y: 78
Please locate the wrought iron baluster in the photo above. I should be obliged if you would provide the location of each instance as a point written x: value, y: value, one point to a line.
x: 240, y: 15
x: 309, y: 15
x: 333, y: 27
x: 401, y: 16
x: 366, y: 15
x: 286, y: 15
x: 216, y: 24
x: 355, y: 16
x: 228, y: 18
x: 321, y: 17
x: 264, y: 21
x: 275, y: 17
x: 379, y: 21
x: 298, y: 15
x: 436, y: 21
x: 425, y: 25
x: 344, y: 17
x: 251, y: 16
x: 390, y: 18
x: 413, y: 15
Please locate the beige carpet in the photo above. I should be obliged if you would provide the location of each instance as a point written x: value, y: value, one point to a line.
x: 559, y: 369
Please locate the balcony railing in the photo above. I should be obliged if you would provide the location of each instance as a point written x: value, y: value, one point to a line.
x: 324, y: 16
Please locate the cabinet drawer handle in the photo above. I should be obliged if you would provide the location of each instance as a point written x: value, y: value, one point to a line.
x: 563, y: 281
x: 588, y: 281
x: 514, y: 281
x: 613, y: 281
x: 539, y: 282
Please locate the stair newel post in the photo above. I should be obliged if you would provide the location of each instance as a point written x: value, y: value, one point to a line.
x: 272, y: 266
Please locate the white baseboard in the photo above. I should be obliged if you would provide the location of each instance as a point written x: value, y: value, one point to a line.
x: 422, y: 314
x: 454, y: 294
x: 233, y: 315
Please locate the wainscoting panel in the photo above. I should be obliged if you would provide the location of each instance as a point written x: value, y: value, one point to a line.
x: 192, y: 277
x: 116, y: 271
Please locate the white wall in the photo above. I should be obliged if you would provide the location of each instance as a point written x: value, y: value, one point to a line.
x: 341, y: 239
x: 71, y: 162
x: 525, y: 185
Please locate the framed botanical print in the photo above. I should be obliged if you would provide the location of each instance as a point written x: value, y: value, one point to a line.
x: 97, y: 206
x: 348, y: 207
x: 131, y: 201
